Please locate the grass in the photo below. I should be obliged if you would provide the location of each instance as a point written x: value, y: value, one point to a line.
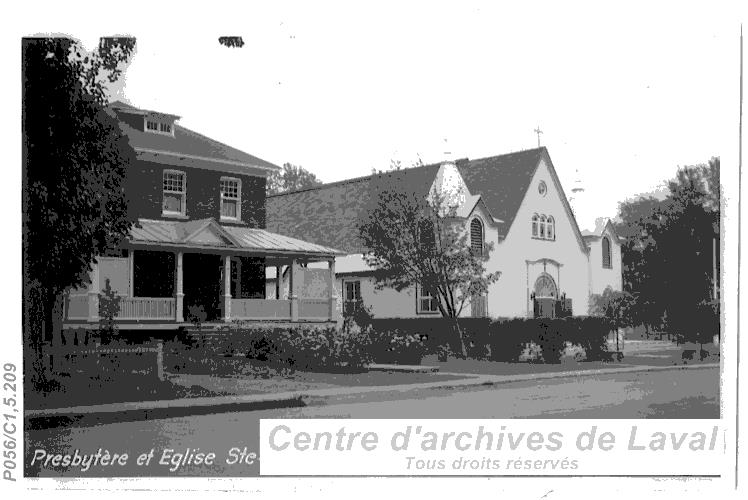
x: 81, y: 390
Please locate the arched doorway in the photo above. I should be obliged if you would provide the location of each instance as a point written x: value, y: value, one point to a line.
x: 544, y: 297
x: 545, y: 287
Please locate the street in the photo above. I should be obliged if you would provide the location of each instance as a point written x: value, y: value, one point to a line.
x: 664, y: 394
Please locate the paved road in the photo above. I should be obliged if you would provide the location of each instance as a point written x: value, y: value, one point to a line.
x: 666, y: 394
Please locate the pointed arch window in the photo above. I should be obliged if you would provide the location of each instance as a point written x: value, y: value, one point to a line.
x: 550, y: 228
x: 535, y: 219
x: 476, y: 236
x: 606, y: 253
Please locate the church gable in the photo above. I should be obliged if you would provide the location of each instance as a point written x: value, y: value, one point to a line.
x: 545, y: 214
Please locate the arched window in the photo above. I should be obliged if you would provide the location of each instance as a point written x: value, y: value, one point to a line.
x: 550, y: 228
x: 606, y: 253
x: 476, y: 236
x: 542, y: 226
x: 535, y: 226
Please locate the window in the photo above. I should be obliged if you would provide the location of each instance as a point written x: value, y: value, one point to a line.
x: 542, y: 188
x: 230, y: 198
x: 543, y: 227
x: 606, y: 253
x: 550, y: 228
x: 155, y: 125
x: 426, y: 302
x: 174, y: 192
x: 476, y: 236
x: 351, y: 296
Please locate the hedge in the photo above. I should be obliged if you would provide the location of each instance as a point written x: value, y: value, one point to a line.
x: 505, y: 339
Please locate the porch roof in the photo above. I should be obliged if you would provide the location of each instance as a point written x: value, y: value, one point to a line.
x: 209, y: 234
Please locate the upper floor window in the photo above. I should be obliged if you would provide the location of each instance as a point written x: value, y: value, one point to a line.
x: 158, y: 126
x: 542, y: 188
x: 606, y: 253
x: 476, y: 236
x: 543, y: 227
x: 427, y: 302
x: 175, y: 192
x: 230, y: 198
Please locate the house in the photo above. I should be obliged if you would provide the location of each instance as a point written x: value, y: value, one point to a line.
x: 514, y: 200
x: 199, y: 249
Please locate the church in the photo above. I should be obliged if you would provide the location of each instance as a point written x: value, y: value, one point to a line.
x: 548, y: 266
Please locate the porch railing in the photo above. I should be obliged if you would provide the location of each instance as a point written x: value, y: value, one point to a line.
x: 271, y: 309
x: 133, y: 308
x: 260, y: 309
x: 130, y: 308
x: 314, y: 308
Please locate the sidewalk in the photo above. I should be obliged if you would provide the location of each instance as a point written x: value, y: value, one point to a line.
x: 199, y: 406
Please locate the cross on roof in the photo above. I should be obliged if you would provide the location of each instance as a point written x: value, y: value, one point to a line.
x: 538, y: 131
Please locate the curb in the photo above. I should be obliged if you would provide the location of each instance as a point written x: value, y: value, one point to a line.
x: 145, y: 410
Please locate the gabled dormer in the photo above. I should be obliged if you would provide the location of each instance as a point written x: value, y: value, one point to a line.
x: 143, y: 120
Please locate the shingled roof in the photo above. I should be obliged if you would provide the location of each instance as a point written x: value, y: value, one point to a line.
x: 185, y: 142
x: 329, y: 214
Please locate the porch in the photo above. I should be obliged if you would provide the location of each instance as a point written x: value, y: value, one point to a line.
x: 217, y: 275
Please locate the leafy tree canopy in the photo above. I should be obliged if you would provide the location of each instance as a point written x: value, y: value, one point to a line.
x: 291, y: 178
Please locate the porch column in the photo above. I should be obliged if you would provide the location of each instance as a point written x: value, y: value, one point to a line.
x: 293, y: 296
x: 333, y: 294
x: 131, y: 268
x: 227, y: 288
x: 278, y: 278
x: 93, y: 295
x: 180, y: 288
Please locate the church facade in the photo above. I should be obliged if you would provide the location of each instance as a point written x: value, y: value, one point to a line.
x: 516, y: 201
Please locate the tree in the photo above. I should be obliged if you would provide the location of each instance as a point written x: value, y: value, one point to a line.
x: 617, y: 307
x: 416, y: 241
x: 291, y: 178
x: 75, y: 166
x: 668, y: 253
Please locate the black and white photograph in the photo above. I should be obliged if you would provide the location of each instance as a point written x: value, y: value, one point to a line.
x: 341, y: 242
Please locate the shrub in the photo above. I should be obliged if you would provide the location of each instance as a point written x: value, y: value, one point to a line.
x: 397, y: 347
x: 551, y: 338
x: 508, y: 339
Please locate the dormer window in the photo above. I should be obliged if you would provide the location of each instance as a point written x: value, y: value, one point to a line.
x: 159, y: 126
x: 230, y: 198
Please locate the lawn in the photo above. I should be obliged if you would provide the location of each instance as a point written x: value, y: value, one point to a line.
x: 81, y: 390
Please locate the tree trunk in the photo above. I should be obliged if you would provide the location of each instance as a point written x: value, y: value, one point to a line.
x: 459, y: 335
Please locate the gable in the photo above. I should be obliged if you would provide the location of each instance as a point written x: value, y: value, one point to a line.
x: 501, y: 181
x: 208, y: 236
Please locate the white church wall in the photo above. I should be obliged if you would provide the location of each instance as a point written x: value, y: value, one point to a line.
x: 510, y: 296
x: 600, y: 276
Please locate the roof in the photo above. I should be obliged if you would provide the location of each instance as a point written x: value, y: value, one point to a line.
x: 329, y: 214
x: 600, y: 226
x: 186, y: 144
x: 207, y: 233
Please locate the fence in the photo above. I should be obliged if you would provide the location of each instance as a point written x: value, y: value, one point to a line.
x: 81, y: 354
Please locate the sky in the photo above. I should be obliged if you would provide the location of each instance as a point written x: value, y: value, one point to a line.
x: 624, y: 93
